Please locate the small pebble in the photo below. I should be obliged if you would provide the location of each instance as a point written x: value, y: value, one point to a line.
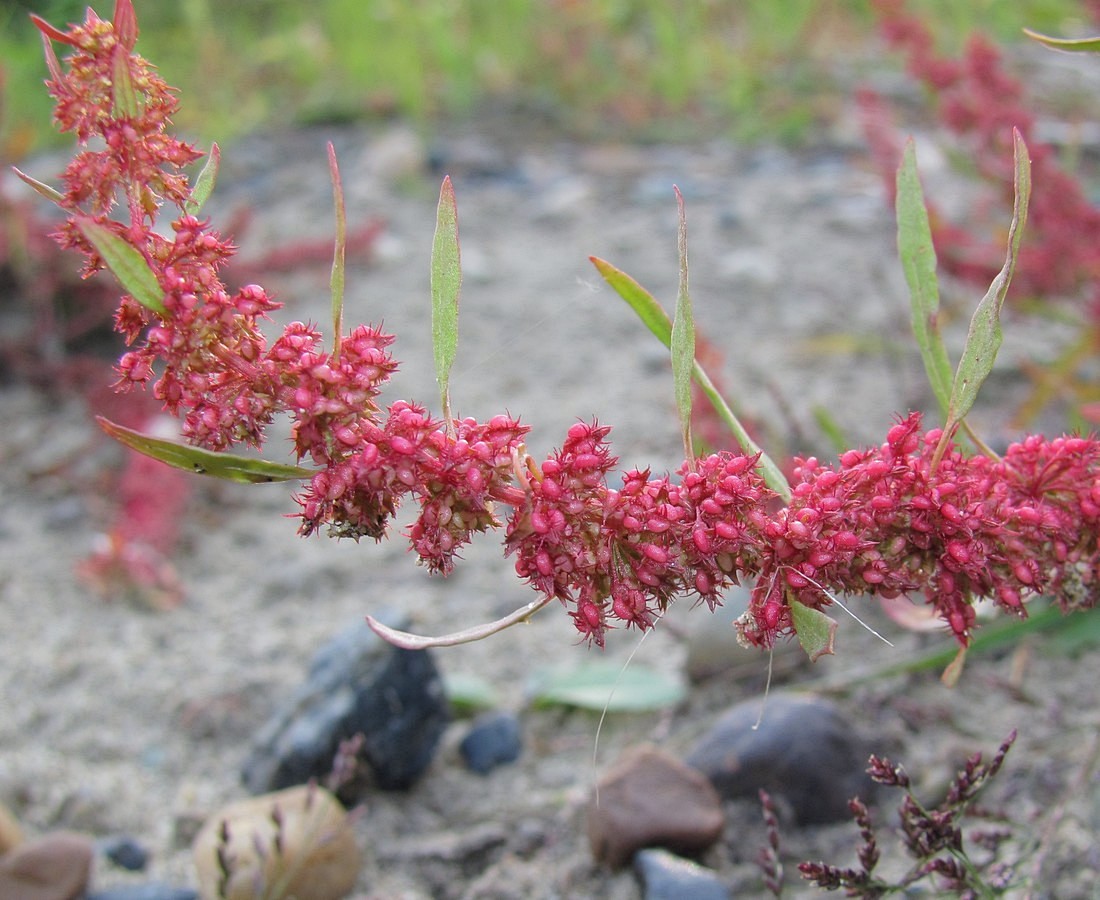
x: 651, y: 799
x: 125, y: 852
x: 56, y: 866
x: 804, y: 750
x: 666, y: 876
x: 493, y: 740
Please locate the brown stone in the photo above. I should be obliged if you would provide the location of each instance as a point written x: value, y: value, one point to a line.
x: 295, y: 843
x: 54, y: 867
x: 651, y: 799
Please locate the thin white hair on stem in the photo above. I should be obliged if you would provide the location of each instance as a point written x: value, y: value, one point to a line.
x: 838, y: 602
x: 771, y: 660
x: 607, y: 702
x: 767, y: 690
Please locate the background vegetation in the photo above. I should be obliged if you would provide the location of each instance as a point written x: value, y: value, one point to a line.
x: 671, y: 68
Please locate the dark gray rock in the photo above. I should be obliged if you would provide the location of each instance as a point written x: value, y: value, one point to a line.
x: 125, y: 852
x: 804, y: 751
x: 357, y: 684
x: 493, y: 740
x: 145, y: 892
x: 651, y: 799
x: 666, y: 876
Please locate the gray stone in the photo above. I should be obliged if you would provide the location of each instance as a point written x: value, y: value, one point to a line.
x: 666, y: 876
x: 357, y: 684
x: 125, y: 852
x: 804, y: 751
x: 493, y: 740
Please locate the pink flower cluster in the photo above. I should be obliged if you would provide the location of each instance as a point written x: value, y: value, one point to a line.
x: 981, y: 103
x: 627, y: 553
x: 888, y: 521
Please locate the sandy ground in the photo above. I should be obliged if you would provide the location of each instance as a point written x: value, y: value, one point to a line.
x: 121, y: 720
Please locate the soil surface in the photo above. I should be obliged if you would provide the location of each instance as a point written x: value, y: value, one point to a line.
x: 118, y: 719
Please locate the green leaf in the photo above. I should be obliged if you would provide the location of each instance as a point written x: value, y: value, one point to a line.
x: 655, y: 318
x: 126, y: 264
x: 45, y: 190
x: 918, y: 260
x: 204, y: 183
x: 640, y: 300
x: 603, y: 685
x: 246, y: 470
x: 682, y: 337
x: 831, y: 428
x: 124, y: 97
x: 467, y: 692
x: 984, y: 338
x: 446, y: 287
x: 816, y: 631
x: 336, y: 282
x: 1071, y: 45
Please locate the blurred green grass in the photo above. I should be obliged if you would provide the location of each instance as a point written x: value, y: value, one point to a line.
x: 645, y: 68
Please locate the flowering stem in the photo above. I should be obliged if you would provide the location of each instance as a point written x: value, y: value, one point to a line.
x: 912, y: 516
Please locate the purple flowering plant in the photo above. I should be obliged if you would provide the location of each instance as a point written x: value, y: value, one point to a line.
x: 931, y: 513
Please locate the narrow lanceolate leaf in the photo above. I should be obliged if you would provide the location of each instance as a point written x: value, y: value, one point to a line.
x: 125, y: 23
x: 984, y: 338
x: 51, y: 194
x: 816, y: 631
x: 124, y: 98
x: 640, y: 300
x: 244, y: 469
x: 336, y: 282
x: 655, y: 318
x: 918, y: 259
x: 683, y: 336
x: 204, y: 183
x: 446, y: 286
x: 125, y: 263
x: 53, y: 34
x: 1073, y: 45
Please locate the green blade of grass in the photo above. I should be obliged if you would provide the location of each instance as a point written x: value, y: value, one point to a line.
x: 682, y: 337
x: 446, y: 287
x: 231, y: 467
x: 655, y: 318
x: 984, y: 338
x: 918, y: 260
x: 126, y: 264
